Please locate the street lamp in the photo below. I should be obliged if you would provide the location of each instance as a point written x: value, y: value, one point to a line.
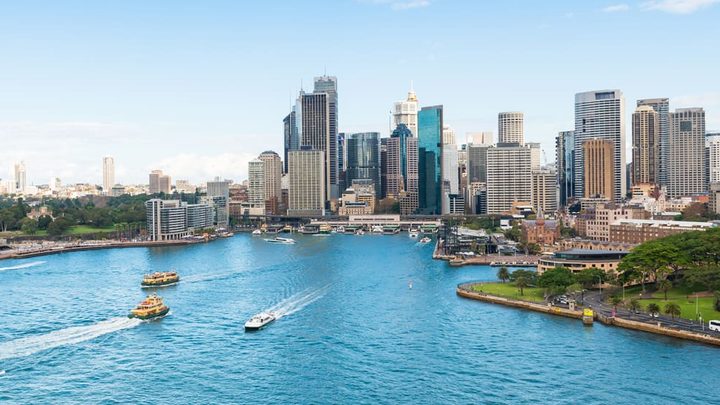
x: 600, y: 284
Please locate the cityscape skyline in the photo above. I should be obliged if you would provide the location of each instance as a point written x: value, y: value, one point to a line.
x: 132, y: 111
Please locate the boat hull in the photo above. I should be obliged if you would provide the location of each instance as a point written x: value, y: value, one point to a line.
x: 152, y: 316
x: 161, y: 284
x: 258, y: 327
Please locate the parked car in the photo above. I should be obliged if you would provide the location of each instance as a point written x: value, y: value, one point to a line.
x: 714, y: 325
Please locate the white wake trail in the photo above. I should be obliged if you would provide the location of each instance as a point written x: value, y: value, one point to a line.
x: 298, y: 301
x: 22, y: 266
x: 33, y: 344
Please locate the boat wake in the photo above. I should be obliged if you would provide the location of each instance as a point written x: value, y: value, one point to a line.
x: 21, y: 266
x: 33, y: 344
x: 298, y: 301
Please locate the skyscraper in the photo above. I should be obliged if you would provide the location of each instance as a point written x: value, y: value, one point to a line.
x: 449, y: 171
x: 600, y: 115
x: 328, y: 85
x: 307, y: 188
x: 20, y: 177
x: 315, y: 133
x: 544, y: 195
x: 406, y: 112
x: 272, y: 176
x: 510, y: 127
x: 256, y: 182
x: 218, y: 196
x: 480, y: 138
x: 430, y: 126
x: 402, y: 169
x: 645, y: 146
x: 509, y: 177
x: 159, y: 182
x: 108, y: 174
x: 712, y: 144
x: 565, y: 161
x: 686, y: 174
x: 662, y: 107
x: 291, y: 138
x: 599, y: 168
x: 363, y: 158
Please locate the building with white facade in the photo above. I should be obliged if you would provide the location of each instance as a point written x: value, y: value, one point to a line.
x: 108, y: 174
x: 686, y: 174
x: 510, y: 127
x: 405, y: 112
x: 20, y: 177
x: 509, y: 177
x: 174, y: 219
x: 306, y: 195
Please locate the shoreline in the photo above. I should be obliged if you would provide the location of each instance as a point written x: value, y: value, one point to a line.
x: 463, y: 290
x: 12, y: 254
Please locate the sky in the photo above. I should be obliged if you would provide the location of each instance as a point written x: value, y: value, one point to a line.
x: 199, y: 88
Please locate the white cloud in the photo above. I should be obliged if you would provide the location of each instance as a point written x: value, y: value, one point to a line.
x: 678, y: 6
x: 200, y: 168
x: 616, y: 8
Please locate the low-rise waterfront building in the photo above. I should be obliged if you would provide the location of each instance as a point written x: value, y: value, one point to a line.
x: 578, y: 260
x: 636, y: 231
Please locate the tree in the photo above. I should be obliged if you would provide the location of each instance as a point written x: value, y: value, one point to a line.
x: 653, y: 308
x: 7, y: 220
x: 513, y: 233
x: 615, y: 300
x: 717, y: 300
x: 29, y: 226
x: 635, y: 305
x: 521, y: 283
x: 533, y: 248
x: 573, y: 288
x: 530, y: 276
x: 590, y: 277
x: 664, y: 286
x: 672, y: 309
x: 59, y: 226
x: 650, y: 258
x: 503, y: 274
x: 557, y: 279
x: 44, y: 221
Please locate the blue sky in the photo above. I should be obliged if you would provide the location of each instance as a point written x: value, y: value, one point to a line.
x: 198, y: 88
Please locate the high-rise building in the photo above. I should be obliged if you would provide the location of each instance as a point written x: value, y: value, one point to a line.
x: 402, y: 169
x: 480, y: 138
x: 600, y: 115
x: 328, y: 85
x: 448, y: 136
x: 307, y: 188
x: 565, y: 162
x: 363, y: 157
x: 292, y: 137
x: 509, y: 177
x: 450, y: 170
x: 662, y: 107
x: 342, y: 161
x: 175, y: 219
x: 384, y: 168
x: 510, y: 127
x: 108, y: 174
x: 544, y: 192
x: 159, y: 182
x: 272, y: 176
x: 599, y: 168
x: 315, y: 134
x: 712, y: 145
x: 256, y: 182
x: 218, y: 195
x: 20, y: 177
x: 430, y: 128
x: 477, y: 163
x: 686, y: 174
x: 406, y: 112
x: 535, y: 155
x: 645, y: 146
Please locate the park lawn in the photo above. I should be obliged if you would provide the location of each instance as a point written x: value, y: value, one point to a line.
x: 508, y: 290
x: 679, y: 295
x: 79, y: 230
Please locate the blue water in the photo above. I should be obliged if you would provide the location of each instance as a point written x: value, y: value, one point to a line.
x: 352, y: 332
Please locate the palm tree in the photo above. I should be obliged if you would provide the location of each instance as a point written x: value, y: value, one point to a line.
x: 653, y: 308
x: 672, y: 309
x: 664, y: 286
x: 503, y: 274
x: 616, y: 301
x: 635, y: 305
x: 521, y: 283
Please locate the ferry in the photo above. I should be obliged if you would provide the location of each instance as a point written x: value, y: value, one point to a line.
x: 308, y: 230
x: 425, y: 240
x: 284, y: 241
x: 259, y: 321
x: 377, y: 229
x: 150, y: 308
x: 325, y: 229
x: 257, y: 232
x: 160, y: 279
x: 287, y: 228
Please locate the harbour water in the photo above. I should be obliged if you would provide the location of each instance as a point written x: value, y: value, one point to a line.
x: 351, y: 331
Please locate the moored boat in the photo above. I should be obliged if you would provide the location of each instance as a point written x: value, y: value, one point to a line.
x: 285, y: 241
x: 160, y: 279
x: 150, y: 308
x: 425, y: 240
x: 260, y: 320
x: 257, y: 232
x: 325, y: 229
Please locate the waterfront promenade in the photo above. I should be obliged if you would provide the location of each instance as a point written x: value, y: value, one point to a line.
x: 21, y: 251
x: 603, y: 312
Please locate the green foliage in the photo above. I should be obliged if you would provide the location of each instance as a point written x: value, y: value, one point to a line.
x: 521, y: 283
x: 615, y: 300
x: 653, y: 308
x: 664, y: 286
x: 574, y: 288
x: 635, y: 305
x: 529, y: 276
x: 29, y: 226
x: 672, y: 309
x: 488, y: 223
x: 557, y: 279
x: 59, y: 226
x: 513, y: 233
x: 44, y: 221
x: 503, y: 274
x: 590, y: 277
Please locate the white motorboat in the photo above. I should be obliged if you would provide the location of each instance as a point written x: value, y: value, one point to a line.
x: 425, y: 240
x: 257, y: 232
x: 284, y: 241
x: 413, y: 234
x: 260, y: 320
x: 377, y: 229
x: 360, y: 232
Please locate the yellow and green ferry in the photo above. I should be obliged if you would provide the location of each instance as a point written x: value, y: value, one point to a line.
x: 160, y: 279
x: 151, y: 307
